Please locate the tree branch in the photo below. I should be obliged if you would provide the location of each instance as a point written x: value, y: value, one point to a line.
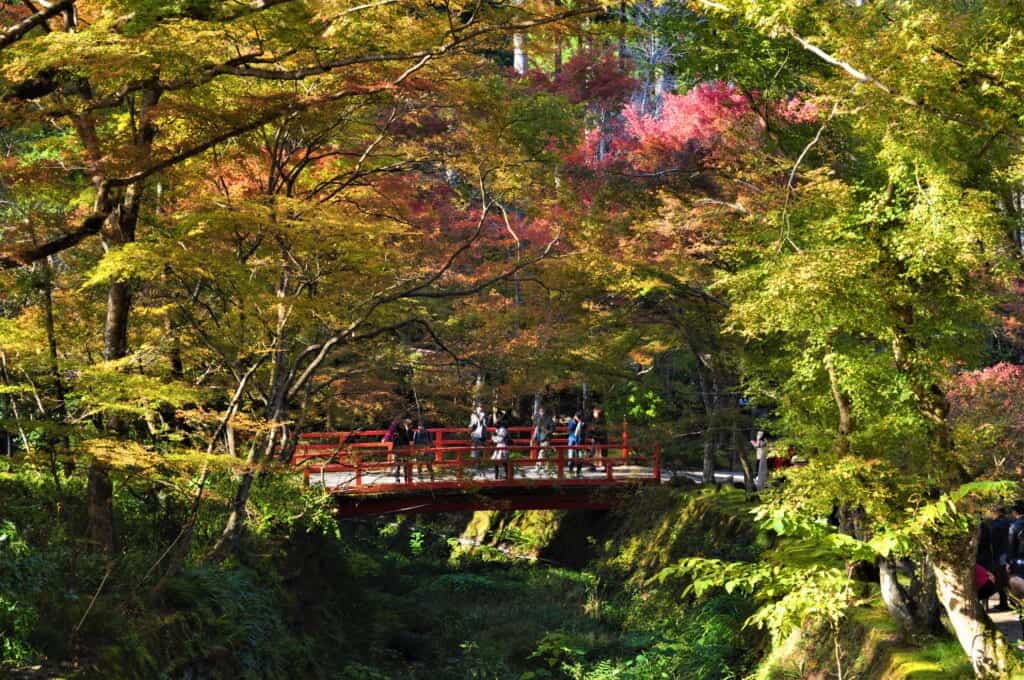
x: 16, y: 32
x: 92, y: 224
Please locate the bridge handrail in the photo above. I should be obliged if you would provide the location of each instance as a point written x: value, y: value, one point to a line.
x: 343, y: 439
x: 406, y: 459
x: 390, y: 451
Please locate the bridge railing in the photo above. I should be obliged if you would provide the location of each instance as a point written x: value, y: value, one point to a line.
x: 333, y: 446
x: 369, y: 470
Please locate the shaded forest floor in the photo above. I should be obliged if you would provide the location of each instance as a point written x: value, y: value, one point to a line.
x: 532, y: 595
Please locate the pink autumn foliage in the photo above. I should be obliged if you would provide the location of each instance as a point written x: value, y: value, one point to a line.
x: 596, y: 79
x: 713, y: 121
x: 590, y: 77
x: 699, y: 121
x: 991, y: 398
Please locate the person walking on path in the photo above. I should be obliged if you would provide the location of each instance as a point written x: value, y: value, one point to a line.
x: 423, y: 441
x: 984, y: 583
x: 1015, y: 541
x: 543, y: 426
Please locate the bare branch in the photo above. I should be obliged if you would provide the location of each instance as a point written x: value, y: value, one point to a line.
x: 426, y: 327
x: 92, y: 224
x: 16, y: 32
x: 233, y: 405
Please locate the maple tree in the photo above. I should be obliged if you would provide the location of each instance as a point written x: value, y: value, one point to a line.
x: 241, y: 180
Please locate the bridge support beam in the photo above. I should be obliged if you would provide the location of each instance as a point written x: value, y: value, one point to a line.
x: 349, y: 506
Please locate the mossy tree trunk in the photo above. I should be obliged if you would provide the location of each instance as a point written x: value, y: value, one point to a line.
x: 953, y: 558
x: 914, y: 608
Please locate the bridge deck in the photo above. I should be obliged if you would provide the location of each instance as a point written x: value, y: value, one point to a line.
x: 341, y: 478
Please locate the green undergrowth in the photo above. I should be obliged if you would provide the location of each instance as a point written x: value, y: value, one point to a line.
x: 871, y: 649
x: 567, y: 595
x: 366, y: 599
x: 660, y: 526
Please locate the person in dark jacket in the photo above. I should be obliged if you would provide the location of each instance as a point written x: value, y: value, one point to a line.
x: 423, y: 442
x: 1015, y: 541
x: 401, y: 439
x: 993, y: 552
x: 577, y: 428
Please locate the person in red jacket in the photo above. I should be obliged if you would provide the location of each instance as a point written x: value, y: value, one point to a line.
x: 984, y: 582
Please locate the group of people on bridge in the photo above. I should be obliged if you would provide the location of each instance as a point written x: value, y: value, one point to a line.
x: 585, y: 435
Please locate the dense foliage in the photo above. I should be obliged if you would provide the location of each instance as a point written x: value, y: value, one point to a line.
x: 226, y: 223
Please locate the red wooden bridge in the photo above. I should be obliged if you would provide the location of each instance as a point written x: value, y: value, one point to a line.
x: 370, y: 476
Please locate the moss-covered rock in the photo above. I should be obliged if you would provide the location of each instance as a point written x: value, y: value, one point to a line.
x: 660, y: 526
x: 519, y: 533
x: 870, y: 648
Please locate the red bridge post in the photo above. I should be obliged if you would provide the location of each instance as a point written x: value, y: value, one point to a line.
x: 657, y: 462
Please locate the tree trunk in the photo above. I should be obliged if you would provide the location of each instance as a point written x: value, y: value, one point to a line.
x: 60, y: 410
x: 984, y: 645
x: 842, y: 406
x: 708, y: 471
x: 915, y: 609
x: 102, y: 529
x: 101, y: 509
x: 748, y: 474
x: 119, y: 229
x: 707, y: 382
x: 51, y: 341
x: 234, y: 528
x: 275, y: 413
